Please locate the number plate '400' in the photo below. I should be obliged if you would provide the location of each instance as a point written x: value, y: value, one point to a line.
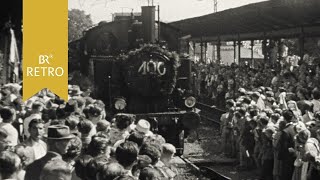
x: 152, y: 67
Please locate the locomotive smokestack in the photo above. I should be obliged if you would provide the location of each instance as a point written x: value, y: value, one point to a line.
x: 148, y: 23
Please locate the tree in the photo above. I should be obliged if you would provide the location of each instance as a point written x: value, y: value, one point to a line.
x: 78, y: 21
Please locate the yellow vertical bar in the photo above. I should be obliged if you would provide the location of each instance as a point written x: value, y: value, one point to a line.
x: 45, y: 36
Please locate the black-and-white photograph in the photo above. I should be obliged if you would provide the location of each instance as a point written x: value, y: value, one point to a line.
x: 169, y: 90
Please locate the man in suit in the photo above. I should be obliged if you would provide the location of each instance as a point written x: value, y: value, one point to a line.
x: 57, y: 140
x: 286, y: 153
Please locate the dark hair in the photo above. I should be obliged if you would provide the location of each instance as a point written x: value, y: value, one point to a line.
x: 35, y: 121
x: 126, y: 153
x: 95, y: 166
x: 246, y: 100
x: 73, y: 148
x: 149, y: 173
x: 137, y: 138
x: 81, y: 166
x: 253, y: 112
x: 152, y: 151
x: 60, y: 113
x: 7, y: 114
x: 316, y: 94
x: 124, y: 177
x: 94, y: 111
x: 110, y: 171
x: 102, y: 125
x: 72, y: 122
x: 97, y: 146
x: 85, y: 126
x: 123, y: 121
x: 36, y: 105
x: 304, y: 92
x: 8, y: 163
x: 80, y: 101
x: 287, y: 115
x: 264, y: 120
x: 71, y: 105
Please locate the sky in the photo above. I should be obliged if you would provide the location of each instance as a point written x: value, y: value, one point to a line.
x: 170, y: 10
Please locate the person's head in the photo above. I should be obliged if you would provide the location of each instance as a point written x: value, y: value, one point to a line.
x: 124, y: 177
x: 143, y: 126
x: 303, y: 136
x: 288, y: 115
x: 58, y: 138
x: 3, y: 137
x: 168, y: 151
x: 98, y: 146
x: 110, y: 171
x: 123, y: 121
x: 60, y: 113
x: 137, y: 138
x: 10, y: 165
x: 84, y: 127
x: 73, y: 149
x: 126, y: 154
x: 96, y: 165
x: 302, y: 94
x: 37, y: 107
x: 72, y: 122
x: 81, y: 102
x: 7, y: 114
x: 264, y: 120
x: 56, y: 169
x: 149, y: 173
x: 230, y: 103
x: 292, y: 105
x: 80, y: 166
x: 316, y: 94
x: 318, y: 134
x: 103, y: 125
x: 152, y: 151
x: 36, y: 129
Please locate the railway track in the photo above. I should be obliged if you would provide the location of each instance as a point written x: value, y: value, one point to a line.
x: 204, y: 171
x: 210, y: 113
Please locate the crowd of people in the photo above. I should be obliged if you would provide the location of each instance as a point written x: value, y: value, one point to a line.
x: 47, y: 138
x: 272, y: 119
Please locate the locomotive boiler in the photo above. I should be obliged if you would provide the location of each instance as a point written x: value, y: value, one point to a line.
x: 133, y: 72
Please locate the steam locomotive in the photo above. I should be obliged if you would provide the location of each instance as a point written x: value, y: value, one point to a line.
x: 150, y: 80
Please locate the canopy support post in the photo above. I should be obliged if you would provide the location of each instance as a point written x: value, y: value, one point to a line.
x: 201, y: 51
x: 234, y: 51
x: 252, y: 44
x: 239, y: 49
x: 301, y: 44
x: 205, y: 52
x: 218, y: 51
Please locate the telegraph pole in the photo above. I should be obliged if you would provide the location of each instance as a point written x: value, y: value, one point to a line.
x: 215, y: 6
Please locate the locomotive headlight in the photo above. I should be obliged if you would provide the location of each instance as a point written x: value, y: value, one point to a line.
x: 120, y: 104
x: 190, y: 101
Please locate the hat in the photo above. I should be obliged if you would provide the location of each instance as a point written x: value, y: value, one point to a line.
x: 59, y: 132
x: 269, y: 94
x: 242, y: 90
x: 143, y: 126
x: 75, y: 90
x: 268, y: 89
x: 256, y: 94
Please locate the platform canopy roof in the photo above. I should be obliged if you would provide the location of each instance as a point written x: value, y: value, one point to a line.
x: 268, y: 19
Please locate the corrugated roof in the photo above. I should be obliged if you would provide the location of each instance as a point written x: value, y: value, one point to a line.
x: 246, y: 22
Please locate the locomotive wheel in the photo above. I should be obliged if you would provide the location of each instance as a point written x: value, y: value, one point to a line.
x: 180, y: 147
